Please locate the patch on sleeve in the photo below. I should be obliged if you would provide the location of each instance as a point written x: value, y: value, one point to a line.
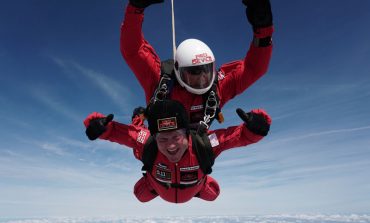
x: 221, y: 75
x: 141, y: 136
x: 213, y: 139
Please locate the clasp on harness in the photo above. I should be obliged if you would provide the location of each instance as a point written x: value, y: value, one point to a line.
x: 211, y: 106
x: 162, y: 89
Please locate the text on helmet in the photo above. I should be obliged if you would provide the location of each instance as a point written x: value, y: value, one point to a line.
x: 201, y: 58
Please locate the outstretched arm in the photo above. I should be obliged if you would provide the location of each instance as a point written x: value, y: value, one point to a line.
x: 256, y: 125
x: 102, y: 127
x: 137, y: 52
x: 237, y: 76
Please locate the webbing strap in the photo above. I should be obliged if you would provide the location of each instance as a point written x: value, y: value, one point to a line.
x: 173, y: 30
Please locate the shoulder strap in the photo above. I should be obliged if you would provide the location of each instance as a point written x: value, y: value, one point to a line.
x: 203, y: 151
x: 168, y: 71
x: 149, y: 154
x: 167, y: 81
x: 167, y: 68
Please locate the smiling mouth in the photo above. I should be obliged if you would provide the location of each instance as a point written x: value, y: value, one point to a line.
x: 172, y: 151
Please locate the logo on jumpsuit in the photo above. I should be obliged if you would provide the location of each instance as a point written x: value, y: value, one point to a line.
x: 162, y: 173
x: 189, y: 175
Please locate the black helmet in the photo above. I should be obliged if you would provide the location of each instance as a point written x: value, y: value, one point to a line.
x: 166, y: 115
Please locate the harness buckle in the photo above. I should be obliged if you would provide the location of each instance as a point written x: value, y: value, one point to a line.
x: 162, y: 89
x: 211, y: 106
x: 209, y: 111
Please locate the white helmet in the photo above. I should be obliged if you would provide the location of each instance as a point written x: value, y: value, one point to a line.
x: 195, y: 66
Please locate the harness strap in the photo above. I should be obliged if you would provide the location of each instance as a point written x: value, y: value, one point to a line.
x: 211, y: 109
x: 203, y: 151
x: 162, y: 90
x: 149, y: 155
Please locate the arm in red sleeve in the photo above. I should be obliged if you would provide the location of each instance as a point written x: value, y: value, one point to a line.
x: 129, y: 135
x: 232, y: 137
x: 237, y: 76
x: 137, y: 52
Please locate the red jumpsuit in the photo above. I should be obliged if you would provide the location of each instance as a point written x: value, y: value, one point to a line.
x: 234, y: 77
x: 186, y: 172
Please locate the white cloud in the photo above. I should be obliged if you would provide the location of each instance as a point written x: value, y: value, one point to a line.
x: 297, y: 160
x: 284, y: 218
x: 53, y: 148
x: 106, y: 84
x: 35, y: 168
x: 74, y: 142
x: 54, y: 104
x: 117, y: 92
x: 322, y: 133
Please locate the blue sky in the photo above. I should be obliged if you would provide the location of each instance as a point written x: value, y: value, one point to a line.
x: 60, y: 60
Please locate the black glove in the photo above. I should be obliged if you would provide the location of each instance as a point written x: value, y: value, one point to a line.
x: 97, y: 127
x: 256, y: 123
x: 258, y: 13
x: 144, y: 3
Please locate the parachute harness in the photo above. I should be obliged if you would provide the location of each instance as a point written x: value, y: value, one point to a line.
x: 162, y: 89
x: 210, y: 109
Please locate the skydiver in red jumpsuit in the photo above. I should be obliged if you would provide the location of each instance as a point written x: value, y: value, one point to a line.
x: 194, y: 64
x: 175, y: 173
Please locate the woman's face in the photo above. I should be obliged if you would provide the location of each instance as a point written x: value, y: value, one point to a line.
x: 172, y: 144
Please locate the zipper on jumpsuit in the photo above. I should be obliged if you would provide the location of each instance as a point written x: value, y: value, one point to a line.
x: 176, y: 183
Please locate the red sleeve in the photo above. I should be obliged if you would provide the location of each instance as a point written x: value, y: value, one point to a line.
x: 237, y: 76
x: 232, y: 137
x: 131, y: 136
x: 137, y: 52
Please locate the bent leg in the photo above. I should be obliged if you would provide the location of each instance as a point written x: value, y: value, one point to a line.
x: 210, y: 190
x: 143, y: 191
